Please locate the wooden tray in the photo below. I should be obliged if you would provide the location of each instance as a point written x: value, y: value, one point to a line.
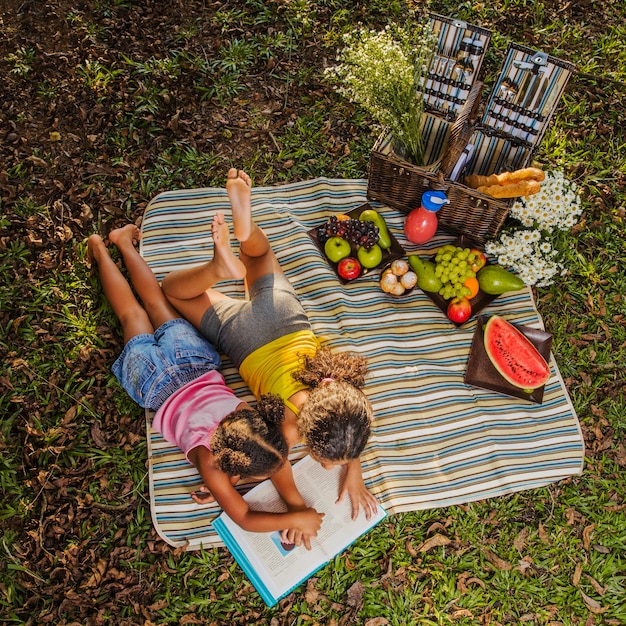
x: 478, y: 302
x: 396, y: 251
x: 481, y: 372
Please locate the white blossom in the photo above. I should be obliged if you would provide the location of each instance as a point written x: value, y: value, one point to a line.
x: 529, y: 250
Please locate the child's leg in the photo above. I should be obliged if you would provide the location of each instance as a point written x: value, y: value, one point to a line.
x: 190, y: 290
x: 142, y: 278
x: 131, y: 314
x: 256, y: 252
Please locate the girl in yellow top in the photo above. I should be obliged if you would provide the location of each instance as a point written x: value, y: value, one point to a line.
x: 268, y: 337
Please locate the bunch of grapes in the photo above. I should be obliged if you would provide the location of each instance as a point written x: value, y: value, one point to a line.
x: 361, y: 234
x: 453, y: 267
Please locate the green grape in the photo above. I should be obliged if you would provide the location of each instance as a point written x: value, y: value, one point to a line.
x: 453, y: 268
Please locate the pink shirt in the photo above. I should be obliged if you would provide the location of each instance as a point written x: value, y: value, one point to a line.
x: 190, y: 416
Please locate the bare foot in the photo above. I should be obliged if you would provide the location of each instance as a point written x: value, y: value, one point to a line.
x: 127, y: 234
x: 238, y: 187
x: 225, y: 263
x: 95, y: 249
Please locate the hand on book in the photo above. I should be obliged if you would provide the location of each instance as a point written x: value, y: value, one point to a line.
x: 354, y: 486
x: 307, y: 523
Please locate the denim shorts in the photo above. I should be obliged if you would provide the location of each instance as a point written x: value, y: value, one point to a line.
x: 152, y: 367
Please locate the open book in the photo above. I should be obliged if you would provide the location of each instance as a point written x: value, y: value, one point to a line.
x: 276, y: 569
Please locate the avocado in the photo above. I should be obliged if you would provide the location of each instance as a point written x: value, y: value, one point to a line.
x: 369, y: 215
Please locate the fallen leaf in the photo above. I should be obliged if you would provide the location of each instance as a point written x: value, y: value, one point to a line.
x: 587, y: 535
x: 97, y: 436
x: 495, y: 560
x: 520, y: 541
x: 434, y: 542
x: 596, y: 585
x: 98, y: 572
x: 577, y: 572
x: 410, y: 549
x: 355, y: 594
x: 593, y: 605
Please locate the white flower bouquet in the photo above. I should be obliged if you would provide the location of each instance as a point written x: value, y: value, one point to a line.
x: 529, y: 246
x: 384, y: 72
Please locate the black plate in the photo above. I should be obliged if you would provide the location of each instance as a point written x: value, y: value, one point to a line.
x: 395, y: 252
x: 478, y: 302
x: 482, y: 373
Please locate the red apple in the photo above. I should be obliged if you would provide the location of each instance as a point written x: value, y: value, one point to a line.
x: 459, y: 309
x: 480, y: 260
x: 349, y: 268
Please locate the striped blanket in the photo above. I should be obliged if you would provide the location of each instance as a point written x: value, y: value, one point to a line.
x: 436, y: 441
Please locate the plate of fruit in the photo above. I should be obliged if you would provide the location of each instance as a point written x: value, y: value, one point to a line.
x: 460, y: 281
x: 509, y: 358
x: 356, y: 243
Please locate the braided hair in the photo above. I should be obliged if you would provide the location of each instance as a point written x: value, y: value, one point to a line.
x: 335, y: 421
x: 249, y: 442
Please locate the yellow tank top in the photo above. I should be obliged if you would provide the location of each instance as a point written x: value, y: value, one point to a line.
x: 269, y: 369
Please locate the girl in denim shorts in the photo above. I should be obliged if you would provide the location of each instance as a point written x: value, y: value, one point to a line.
x: 166, y: 366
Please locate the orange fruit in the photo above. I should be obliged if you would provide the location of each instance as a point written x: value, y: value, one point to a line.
x: 343, y: 216
x: 471, y: 283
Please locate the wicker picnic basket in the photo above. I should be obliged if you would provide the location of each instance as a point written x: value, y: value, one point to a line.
x: 400, y: 184
x: 502, y: 143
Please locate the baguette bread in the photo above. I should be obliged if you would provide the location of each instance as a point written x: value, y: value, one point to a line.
x: 505, y: 178
x: 512, y: 190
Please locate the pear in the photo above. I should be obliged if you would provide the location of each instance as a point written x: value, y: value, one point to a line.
x: 495, y: 280
x: 425, y: 270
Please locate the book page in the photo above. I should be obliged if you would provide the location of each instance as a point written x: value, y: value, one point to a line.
x: 280, y: 567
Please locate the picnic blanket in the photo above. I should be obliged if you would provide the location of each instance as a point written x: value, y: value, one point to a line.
x: 436, y: 441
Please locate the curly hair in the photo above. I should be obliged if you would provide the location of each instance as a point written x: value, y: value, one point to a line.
x: 249, y: 442
x: 335, y: 421
x: 325, y: 363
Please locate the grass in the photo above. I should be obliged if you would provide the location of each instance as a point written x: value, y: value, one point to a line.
x: 68, y: 435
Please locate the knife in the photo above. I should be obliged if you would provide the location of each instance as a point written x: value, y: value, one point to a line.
x: 532, y: 92
x: 523, y: 88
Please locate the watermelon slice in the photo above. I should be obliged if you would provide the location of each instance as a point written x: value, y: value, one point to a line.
x: 514, y: 356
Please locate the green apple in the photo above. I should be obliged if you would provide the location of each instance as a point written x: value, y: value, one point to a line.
x: 370, y: 258
x: 337, y: 248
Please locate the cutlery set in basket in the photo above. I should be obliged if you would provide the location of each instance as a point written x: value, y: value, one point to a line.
x: 461, y: 141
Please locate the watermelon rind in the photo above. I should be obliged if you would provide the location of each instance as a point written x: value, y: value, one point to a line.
x: 514, y: 356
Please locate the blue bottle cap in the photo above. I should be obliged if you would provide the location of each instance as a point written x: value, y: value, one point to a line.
x: 434, y: 200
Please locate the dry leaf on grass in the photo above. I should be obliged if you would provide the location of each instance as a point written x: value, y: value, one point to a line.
x: 496, y: 561
x: 593, y: 605
x: 520, y: 541
x: 434, y: 542
x: 587, y: 536
x: 355, y: 594
x: 601, y: 590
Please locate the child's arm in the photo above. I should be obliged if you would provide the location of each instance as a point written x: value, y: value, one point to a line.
x: 354, y: 486
x: 286, y: 486
x: 307, y: 520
